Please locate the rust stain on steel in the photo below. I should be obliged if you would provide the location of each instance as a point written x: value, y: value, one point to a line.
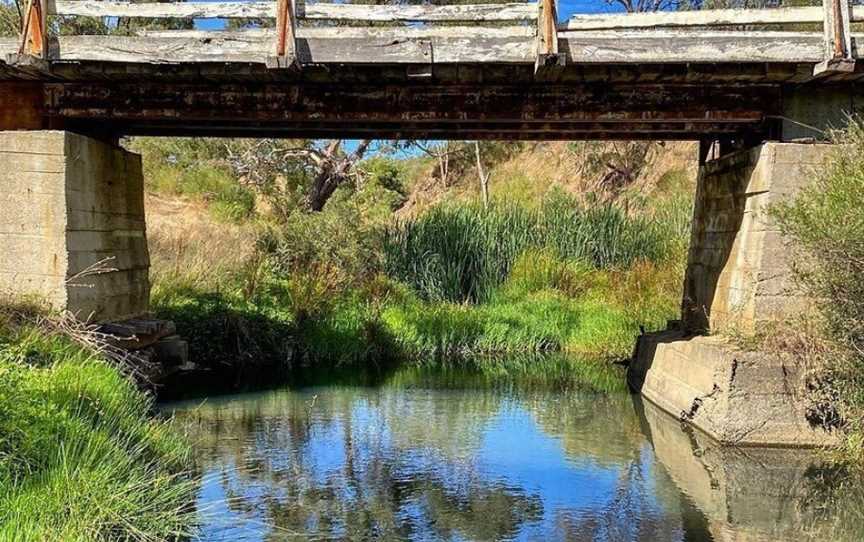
x: 442, y: 111
x: 22, y: 106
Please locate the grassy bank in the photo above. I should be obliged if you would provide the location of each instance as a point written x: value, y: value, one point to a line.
x: 80, y: 458
x: 826, y: 223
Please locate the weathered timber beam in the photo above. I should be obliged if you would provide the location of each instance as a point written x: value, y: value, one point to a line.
x: 22, y: 106
x: 838, y: 39
x: 255, y: 50
x: 452, y: 131
x: 241, y: 10
x: 670, y: 46
x: 715, y: 17
x: 278, y: 103
x: 620, y: 47
x: 549, y: 61
x: 345, y: 32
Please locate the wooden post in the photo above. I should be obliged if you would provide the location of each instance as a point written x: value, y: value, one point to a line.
x: 34, y: 36
x: 549, y: 62
x: 32, y: 55
x: 286, y: 40
x: 838, y: 39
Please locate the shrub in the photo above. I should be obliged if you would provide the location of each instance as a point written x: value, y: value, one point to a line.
x: 336, y: 246
x: 827, y: 224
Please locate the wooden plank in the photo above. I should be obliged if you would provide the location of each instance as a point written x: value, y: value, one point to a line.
x: 602, y: 47
x: 716, y: 17
x: 256, y: 49
x: 354, y: 12
x: 371, y: 32
x: 252, y: 50
x: 692, y: 46
x: 620, y: 132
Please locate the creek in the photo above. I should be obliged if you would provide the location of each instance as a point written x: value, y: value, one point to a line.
x: 426, y: 456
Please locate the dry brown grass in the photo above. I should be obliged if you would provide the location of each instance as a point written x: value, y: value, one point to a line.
x: 530, y: 174
x: 188, y: 248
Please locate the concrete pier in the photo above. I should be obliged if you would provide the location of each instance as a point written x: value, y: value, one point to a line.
x: 67, y: 203
x: 738, y: 279
x: 746, y: 494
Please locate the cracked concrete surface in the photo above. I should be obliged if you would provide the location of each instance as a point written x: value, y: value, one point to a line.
x: 738, y: 277
x: 691, y: 378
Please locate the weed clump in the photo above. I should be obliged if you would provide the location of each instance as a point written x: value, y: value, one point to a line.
x: 80, y: 457
x: 826, y: 223
x: 464, y: 253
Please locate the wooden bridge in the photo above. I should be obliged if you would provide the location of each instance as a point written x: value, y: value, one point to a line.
x: 459, y: 71
x: 71, y: 197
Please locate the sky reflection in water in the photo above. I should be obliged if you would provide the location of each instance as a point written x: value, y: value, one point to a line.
x: 424, y: 464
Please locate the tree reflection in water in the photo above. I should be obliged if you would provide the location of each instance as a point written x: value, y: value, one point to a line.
x: 458, y: 464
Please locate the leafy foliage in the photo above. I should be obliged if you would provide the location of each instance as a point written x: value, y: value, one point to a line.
x: 827, y: 223
x: 9, y: 19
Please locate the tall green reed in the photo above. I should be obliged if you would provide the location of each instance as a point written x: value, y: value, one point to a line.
x: 463, y: 252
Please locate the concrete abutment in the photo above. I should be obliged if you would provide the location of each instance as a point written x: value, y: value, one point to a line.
x: 69, y: 204
x: 738, y: 279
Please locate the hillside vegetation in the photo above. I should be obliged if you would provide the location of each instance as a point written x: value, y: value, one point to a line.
x: 406, y: 264
x: 826, y: 223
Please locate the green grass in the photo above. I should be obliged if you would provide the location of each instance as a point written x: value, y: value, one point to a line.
x: 464, y: 252
x: 591, y: 318
x: 80, y: 457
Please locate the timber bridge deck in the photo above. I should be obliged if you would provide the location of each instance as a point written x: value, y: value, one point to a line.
x: 459, y: 71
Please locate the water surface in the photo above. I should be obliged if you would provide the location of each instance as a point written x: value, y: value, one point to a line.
x: 419, y: 462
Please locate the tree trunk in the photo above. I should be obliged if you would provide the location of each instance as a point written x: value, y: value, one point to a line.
x: 333, y: 171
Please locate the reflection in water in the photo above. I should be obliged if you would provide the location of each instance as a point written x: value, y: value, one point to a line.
x: 480, y: 464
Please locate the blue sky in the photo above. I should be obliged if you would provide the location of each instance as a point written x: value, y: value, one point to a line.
x: 566, y: 8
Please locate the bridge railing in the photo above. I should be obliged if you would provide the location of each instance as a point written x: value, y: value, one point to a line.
x: 295, y: 20
x: 834, y: 16
x: 477, y: 32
